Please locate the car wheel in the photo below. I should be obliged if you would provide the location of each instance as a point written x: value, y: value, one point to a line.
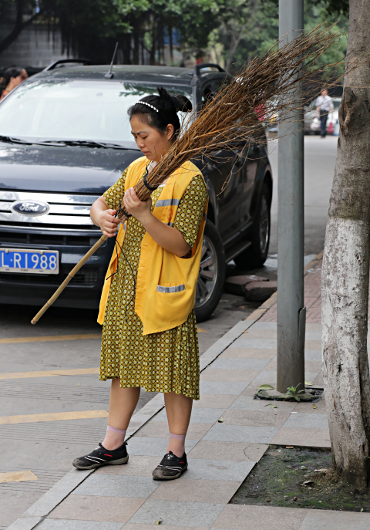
x: 255, y: 255
x: 212, y: 273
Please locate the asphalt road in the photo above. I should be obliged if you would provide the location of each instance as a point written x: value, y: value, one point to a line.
x: 319, y: 171
x: 66, y: 342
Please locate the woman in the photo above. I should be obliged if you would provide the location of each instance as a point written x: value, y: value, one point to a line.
x: 13, y: 77
x: 149, y: 325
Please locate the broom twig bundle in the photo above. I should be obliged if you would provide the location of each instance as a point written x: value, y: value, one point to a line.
x: 230, y: 119
x: 265, y: 87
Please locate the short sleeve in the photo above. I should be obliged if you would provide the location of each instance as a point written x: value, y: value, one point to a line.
x: 191, y: 209
x: 115, y: 193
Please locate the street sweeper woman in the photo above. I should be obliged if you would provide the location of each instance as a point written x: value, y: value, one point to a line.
x: 147, y: 306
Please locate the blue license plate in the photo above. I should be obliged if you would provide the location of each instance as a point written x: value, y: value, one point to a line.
x: 29, y: 261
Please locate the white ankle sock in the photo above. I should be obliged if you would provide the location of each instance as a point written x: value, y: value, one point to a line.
x: 114, y: 438
x: 177, y: 444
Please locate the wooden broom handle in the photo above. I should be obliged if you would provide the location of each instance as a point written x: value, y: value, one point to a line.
x: 75, y: 269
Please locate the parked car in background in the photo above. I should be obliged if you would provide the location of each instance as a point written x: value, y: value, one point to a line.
x: 65, y: 138
x: 312, y: 125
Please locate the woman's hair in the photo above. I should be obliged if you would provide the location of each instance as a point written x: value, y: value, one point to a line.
x: 13, y: 71
x: 160, y: 111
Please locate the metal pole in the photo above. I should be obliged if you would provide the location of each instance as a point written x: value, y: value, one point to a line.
x: 290, y: 297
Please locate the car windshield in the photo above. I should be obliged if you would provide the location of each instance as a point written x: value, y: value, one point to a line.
x: 74, y: 110
x: 336, y: 103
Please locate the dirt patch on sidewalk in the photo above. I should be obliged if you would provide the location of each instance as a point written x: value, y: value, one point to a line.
x: 298, y: 478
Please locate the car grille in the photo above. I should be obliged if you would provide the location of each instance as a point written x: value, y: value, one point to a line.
x: 34, y: 238
x: 86, y: 276
x: 68, y: 213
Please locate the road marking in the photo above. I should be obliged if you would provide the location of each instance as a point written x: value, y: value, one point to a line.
x: 201, y: 330
x: 53, y: 416
x: 49, y: 373
x: 17, y: 476
x: 53, y: 338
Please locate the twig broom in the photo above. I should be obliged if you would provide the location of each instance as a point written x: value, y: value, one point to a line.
x: 231, y: 117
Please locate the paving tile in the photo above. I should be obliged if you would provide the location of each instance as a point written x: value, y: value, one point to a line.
x: 335, y: 520
x: 159, y: 429
x: 236, y: 433
x: 133, y: 526
x: 251, y: 389
x: 269, y: 376
x: 93, y: 508
x: 178, y: 513
x: 117, y: 486
x: 216, y: 401
x: 268, y: 418
x: 310, y: 326
x: 247, y: 353
x: 235, y: 451
x: 138, y: 466
x: 65, y: 524
x: 310, y: 366
x: 199, y: 415
x: 222, y: 387
x: 218, y: 470
x: 307, y: 408
x: 319, y: 380
x: 24, y: 523
x: 302, y: 437
x: 264, y: 325
x: 245, y: 342
x: 313, y: 335
x: 266, y: 376
x: 307, y: 421
x: 313, y: 355
x: 237, y: 517
x: 255, y: 333
x: 192, y: 490
x: 57, y: 493
x: 248, y: 403
x: 141, y: 445
x: 313, y: 344
x: 213, y: 374
x: 239, y: 364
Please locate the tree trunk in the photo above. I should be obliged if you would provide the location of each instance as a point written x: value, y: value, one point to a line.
x: 19, y: 25
x: 345, y: 272
x: 170, y: 40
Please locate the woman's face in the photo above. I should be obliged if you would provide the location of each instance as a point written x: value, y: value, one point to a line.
x: 151, y: 142
x: 15, y: 81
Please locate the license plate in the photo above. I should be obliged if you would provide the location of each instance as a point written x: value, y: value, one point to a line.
x: 29, y: 261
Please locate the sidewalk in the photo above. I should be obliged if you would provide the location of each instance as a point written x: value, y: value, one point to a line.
x: 220, y: 455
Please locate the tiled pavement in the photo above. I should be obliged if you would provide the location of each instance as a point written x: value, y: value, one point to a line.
x: 221, y: 454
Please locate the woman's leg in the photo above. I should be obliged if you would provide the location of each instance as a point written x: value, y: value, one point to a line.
x: 122, y: 403
x: 178, y: 408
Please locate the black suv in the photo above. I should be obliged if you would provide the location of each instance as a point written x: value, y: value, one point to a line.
x: 65, y: 138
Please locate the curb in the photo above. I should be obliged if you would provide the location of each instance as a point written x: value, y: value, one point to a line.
x: 258, y: 313
x: 65, y: 486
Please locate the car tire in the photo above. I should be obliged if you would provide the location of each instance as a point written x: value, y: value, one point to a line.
x: 212, y: 273
x: 255, y: 255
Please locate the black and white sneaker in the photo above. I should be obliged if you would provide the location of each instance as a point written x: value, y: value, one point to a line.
x: 171, y: 467
x: 102, y: 457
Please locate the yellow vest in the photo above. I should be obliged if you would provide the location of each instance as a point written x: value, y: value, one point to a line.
x: 166, y: 284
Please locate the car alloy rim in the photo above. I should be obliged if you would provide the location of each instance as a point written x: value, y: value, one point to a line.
x: 264, y: 225
x: 207, y: 273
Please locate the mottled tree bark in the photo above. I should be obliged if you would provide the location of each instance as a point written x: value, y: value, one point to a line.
x: 345, y: 273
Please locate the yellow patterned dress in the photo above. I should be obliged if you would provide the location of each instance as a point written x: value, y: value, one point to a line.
x: 159, y: 362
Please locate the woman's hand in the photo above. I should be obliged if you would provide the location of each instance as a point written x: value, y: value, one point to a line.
x: 137, y: 208
x: 108, y: 223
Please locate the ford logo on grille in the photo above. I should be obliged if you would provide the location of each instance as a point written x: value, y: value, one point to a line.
x: 30, y: 208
